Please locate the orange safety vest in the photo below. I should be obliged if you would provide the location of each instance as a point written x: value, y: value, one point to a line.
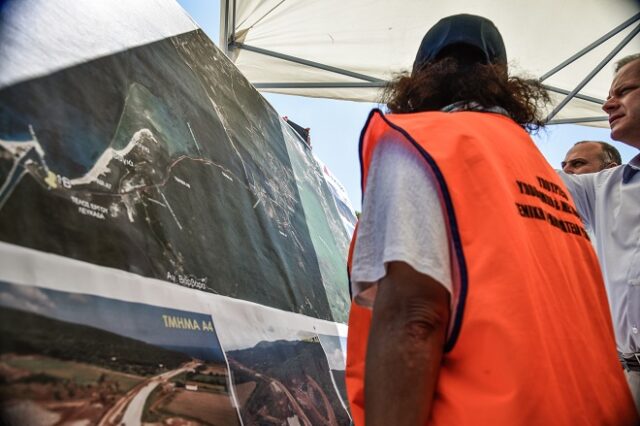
x: 531, y: 341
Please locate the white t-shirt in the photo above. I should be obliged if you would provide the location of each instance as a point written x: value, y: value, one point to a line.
x: 402, y: 220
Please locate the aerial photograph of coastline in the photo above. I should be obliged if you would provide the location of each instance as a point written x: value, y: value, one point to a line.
x: 107, y: 162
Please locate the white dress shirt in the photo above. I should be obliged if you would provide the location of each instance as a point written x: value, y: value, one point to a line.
x: 609, y: 203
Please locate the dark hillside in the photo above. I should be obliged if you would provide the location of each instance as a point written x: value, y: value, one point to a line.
x: 32, y: 334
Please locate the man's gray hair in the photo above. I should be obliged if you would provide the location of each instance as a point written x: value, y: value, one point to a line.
x: 626, y: 60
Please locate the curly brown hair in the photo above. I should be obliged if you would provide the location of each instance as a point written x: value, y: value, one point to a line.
x: 449, y: 80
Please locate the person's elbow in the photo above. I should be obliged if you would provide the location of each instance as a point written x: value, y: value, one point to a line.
x: 412, y: 303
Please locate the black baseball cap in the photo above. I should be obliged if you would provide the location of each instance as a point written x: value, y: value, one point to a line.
x: 471, y: 30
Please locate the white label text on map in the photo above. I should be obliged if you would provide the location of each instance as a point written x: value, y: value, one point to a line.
x: 187, y: 281
x: 123, y: 160
x: 88, y: 208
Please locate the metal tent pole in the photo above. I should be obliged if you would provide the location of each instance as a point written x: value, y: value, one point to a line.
x: 593, y: 72
x: 592, y: 46
x: 306, y: 62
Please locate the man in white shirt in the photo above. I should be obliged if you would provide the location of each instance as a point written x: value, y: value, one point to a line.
x: 609, y: 203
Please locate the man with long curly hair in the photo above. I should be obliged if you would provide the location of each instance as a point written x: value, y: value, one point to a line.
x: 477, y: 297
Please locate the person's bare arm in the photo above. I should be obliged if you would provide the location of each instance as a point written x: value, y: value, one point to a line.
x: 406, y: 340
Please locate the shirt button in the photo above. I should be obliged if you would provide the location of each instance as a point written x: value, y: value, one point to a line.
x: 634, y: 330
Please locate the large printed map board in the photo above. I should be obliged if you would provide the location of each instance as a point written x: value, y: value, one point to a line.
x: 165, y: 162
x: 146, y: 177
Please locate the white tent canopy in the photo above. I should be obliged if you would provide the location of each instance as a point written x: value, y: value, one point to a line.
x: 348, y: 49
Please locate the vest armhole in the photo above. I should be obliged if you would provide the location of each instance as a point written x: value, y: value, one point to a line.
x: 363, y: 133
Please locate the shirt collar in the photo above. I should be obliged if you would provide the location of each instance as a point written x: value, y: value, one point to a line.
x: 631, y: 169
x: 473, y: 106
